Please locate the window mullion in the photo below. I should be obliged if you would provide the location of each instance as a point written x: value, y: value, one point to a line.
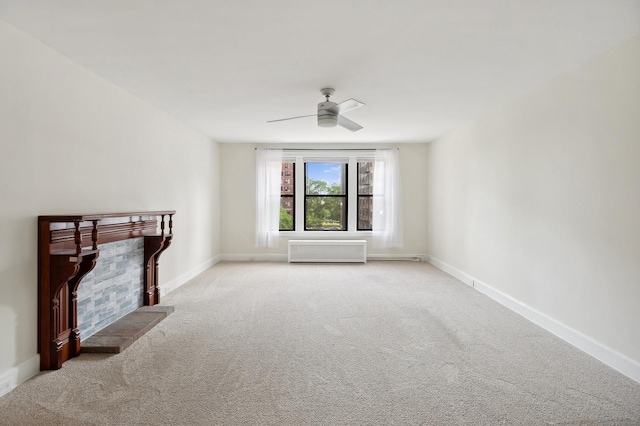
x: 352, y: 200
x: 299, y: 192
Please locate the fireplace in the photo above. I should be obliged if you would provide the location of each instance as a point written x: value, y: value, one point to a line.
x: 68, y: 249
x: 113, y: 288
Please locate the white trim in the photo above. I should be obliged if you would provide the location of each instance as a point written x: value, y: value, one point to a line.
x: 405, y: 257
x: 319, y: 235
x: 322, y: 154
x: 467, y: 279
x: 257, y: 257
x: 19, y: 374
x: 182, y: 279
x: 599, y: 351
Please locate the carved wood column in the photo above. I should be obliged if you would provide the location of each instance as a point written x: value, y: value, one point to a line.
x: 153, y: 248
x: 66, y: 271
x: 87, y: 264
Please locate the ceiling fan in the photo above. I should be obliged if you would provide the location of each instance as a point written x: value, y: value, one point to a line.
x: 330, y: 113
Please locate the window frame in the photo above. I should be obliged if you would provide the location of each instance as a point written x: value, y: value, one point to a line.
x: 344, y: 196
x: 350, y: 158
x: 291, y: 196
x: 362, y: 195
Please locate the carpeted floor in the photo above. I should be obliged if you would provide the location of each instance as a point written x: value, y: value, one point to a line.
x: 375, y: 344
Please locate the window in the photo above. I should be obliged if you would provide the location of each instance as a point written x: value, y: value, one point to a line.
x: 287, y: 199
x: 330, y: 198
x: 341, y: 190
x: 325, y: 197
x: 365, y: 195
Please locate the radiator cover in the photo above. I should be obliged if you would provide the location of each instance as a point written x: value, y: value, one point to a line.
x: 331, y: 251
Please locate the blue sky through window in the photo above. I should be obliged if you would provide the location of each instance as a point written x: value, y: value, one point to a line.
x: 328, y: 172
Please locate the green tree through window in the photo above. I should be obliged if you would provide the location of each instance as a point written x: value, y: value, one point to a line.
x: 325, y: 199
x: 286, y: 220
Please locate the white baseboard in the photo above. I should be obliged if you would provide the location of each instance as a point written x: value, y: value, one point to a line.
x: 283, y: 257
x: 182, y: 279
x: 467, y: 279
x: 612, y: 358
x: 19, y: 374
x: 256, y: 257
x: 407, y: 257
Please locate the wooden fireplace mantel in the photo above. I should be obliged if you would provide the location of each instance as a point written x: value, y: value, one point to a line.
x: 68, y: 251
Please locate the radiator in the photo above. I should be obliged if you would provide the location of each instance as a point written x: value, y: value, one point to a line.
x: 328, y: 251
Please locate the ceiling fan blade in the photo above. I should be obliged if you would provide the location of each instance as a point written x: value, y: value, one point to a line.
x: 345, y: 106
x: 348, y: 124
x: 292, y: 118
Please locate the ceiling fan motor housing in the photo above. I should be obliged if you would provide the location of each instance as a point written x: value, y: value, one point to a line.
x: 327, y: 118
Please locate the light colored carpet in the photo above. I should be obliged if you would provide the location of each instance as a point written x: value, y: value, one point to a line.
x: 381, y: 343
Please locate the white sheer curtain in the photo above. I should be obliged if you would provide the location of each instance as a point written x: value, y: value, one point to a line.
x: 268, y: 180
x: 387, y: 200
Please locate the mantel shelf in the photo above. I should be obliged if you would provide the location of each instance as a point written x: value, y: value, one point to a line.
x: 71, y: 252
x: 67, y: 254
x: 99, y: 216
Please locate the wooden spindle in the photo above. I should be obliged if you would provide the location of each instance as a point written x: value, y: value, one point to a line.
x: 77, y: 237
x: 171, y: 224
x: 94, y: 235
x: 162, y: 225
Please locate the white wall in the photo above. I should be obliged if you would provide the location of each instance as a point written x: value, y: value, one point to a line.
x: 73, y: 143
x: 238, y: 200
x: 541, y: 201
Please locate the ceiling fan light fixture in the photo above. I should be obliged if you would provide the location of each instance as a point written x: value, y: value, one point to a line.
x: 327, y: 120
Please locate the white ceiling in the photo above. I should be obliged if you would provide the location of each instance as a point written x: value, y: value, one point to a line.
x: 423, y: 67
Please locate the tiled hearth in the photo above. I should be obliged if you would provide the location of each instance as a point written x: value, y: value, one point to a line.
x: 121, y: 334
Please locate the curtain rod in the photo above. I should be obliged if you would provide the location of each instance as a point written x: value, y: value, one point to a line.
x: 330, y: 149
